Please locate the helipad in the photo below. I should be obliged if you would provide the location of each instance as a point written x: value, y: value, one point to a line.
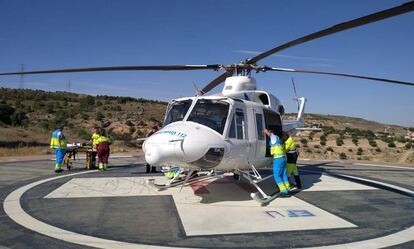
x: 117, y: 209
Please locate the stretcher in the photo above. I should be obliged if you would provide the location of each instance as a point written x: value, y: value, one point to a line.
x: 72, y: 152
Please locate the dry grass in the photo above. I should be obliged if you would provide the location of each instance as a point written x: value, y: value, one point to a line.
x: 25, y: 151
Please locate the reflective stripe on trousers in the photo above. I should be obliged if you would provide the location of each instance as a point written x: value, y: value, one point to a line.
x: 280, y: 174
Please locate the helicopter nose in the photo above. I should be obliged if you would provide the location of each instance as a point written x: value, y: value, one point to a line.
x: 185, y: 144
x: 152, y: 155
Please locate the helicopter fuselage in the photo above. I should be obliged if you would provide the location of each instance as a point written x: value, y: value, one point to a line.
x: 223, y: 132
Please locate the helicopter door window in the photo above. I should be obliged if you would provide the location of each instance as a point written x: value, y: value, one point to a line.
x: 232, y: 131
x: 240, y: 125
x: 177, y: 110
x: 211, y: 113
x: 259, y: 126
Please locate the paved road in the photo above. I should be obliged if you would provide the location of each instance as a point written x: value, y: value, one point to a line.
x: 158, y: 220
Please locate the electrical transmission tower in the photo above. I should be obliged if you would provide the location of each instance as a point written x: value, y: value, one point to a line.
x: 21, y: 85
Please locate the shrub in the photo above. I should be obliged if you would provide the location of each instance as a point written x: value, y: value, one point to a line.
x: 84, y: 116
x: 310, y: 137
x: 322, y: 142
x: 342, y: 156
x: 121, y: 136
x: 116, y: 108
x: 378, y: 149
x: 355, y: 141
x: 360, y: 150
x: 391, y: 144
x: 86, y: 103
x: 339, y: 141
x: 402, y: 139
x: 304, y: 141
x: 408, y: 145
x: 44, y: 125
x: 99, y: 116
x: 82, y: 133
x: 131, y: 129
x: 329, y: 149
x: 328, y: 130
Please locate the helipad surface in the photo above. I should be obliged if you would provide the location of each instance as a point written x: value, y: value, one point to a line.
x: 230, y: 217
x: 117, y: 209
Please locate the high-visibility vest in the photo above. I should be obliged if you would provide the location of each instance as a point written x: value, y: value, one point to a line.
x: 95, y: 137
x: 277, y: 149
x: 54, y: 140
x: 103, y: 139
x: 290, y: 145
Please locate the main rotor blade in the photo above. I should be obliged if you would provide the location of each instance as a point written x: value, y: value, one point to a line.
x: 339, y: 74
x: 120, y: 68
x: 407, y: 7
x: 217, y: 81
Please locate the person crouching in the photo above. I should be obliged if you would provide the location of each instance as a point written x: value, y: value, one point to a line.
x: 103, y: 149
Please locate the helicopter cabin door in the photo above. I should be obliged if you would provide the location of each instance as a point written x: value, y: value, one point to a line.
x: 257, y: 138
x: 238, y: 136
x: 272, y: 123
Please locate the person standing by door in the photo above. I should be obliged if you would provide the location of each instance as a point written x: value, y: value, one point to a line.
x: 277, y: 150
x: 291, y: 159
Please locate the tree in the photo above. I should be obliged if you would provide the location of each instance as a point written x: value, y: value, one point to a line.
x: 18, y: 118
x: 5, y: 112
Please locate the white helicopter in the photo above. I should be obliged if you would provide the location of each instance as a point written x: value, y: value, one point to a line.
x: 224, y: 132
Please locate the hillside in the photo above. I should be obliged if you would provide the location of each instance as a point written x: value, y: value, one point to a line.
x: 27, y: 117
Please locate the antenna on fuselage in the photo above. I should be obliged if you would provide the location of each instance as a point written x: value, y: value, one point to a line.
x: 197, y: 90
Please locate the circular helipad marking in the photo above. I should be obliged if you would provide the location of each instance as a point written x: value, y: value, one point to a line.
x: 15, y: 211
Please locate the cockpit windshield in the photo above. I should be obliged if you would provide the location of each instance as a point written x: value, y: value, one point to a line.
x: 211, y: 113
x: 177, y: 110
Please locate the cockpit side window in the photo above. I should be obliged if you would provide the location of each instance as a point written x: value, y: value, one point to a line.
x: 211, y: 113
x: 177, y: 111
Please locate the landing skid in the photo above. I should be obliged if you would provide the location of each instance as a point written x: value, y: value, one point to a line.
x: 177, y: 181
x: 264, y: 200
x: 254, y: 178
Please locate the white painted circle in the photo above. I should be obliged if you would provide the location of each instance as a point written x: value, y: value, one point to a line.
x: 15, y: 211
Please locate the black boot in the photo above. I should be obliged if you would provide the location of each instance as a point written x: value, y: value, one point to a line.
x: 298, y: 182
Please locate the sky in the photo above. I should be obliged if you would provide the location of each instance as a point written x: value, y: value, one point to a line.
x: 50, y: 34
